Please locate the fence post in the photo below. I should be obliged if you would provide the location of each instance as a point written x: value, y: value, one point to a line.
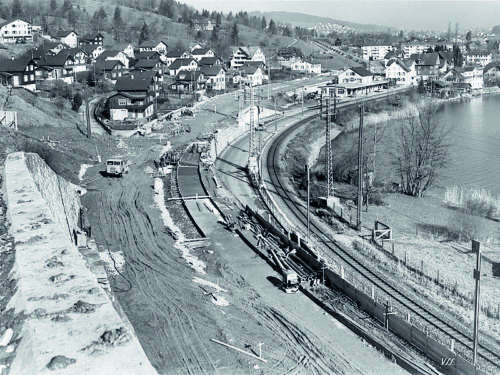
x: 406, y: 260
x: 392, y: 247
x: 408, y: 317
x: 342, y: 272
x: 373, y: 292
x: 422, y: 266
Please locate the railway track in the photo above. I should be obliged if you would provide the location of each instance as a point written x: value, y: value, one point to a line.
x: 431, y: 318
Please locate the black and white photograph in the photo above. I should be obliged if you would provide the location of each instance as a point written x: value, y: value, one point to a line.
x: 267, y: 187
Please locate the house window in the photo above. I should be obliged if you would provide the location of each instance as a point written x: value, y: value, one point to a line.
x: 122, y: 101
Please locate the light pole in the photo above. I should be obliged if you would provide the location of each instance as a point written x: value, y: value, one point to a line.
x: 477, y: 277
x: 308, y: 200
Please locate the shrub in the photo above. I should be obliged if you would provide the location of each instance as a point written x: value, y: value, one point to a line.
x: 478, y: 202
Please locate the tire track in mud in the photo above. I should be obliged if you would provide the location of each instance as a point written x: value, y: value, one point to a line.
x: 160, y: 277
x: 301, y: 348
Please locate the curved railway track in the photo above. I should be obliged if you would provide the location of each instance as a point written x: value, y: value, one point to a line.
x: 376, y: 278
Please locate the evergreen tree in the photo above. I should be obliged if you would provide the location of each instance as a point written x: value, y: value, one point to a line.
x: 272, y: 27
x: 263, y: 23
x: 144, y: 35
x: 218, y: 20
x: 16, y: 9
x: 53, y: 5
x: 67, y: 6
x: 234, y: 34
x: 117, y: 22
x: 287, y: 31
x: 214, y: 38
x: 421, y: 87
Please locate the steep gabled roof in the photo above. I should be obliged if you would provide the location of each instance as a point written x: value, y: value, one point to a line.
x: 361, y: 71
x: 146, y: 55
x: 146, y: 63
x: 63, y: 33
x: 108, y: 53
x: 14, y: 66
x: 55, y: 60
x: 429, y: 59
x: 175, y: 53
x: 250, y: 50
x: 107, y: 65
x: 200, y: 51
x: 177, y: 63
x: 492, y: 64
x: 150, y: 44
x: 211, y: 71
x: 194, y: 75
x: 129, y: 84
x: 72, y: 51
x: 249, y: 69
x: 398, y: 62
x: 208, y: 61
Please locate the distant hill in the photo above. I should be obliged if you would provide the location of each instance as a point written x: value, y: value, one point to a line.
x: 307, y: 20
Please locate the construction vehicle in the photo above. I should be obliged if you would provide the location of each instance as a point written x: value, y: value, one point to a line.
x: 290, y: 278
x: 116, y: 167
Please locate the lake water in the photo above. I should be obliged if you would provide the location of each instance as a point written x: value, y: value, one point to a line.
x: 475, y: 139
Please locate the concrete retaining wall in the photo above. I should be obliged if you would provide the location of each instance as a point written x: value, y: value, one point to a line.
x: 71, y: 326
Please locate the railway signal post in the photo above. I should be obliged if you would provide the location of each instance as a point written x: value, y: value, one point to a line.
x: 477, y: 276
x: 360, y: 168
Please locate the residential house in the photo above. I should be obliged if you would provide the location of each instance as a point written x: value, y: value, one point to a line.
x: 203, y: 25
x: 147, y: 55
x: 215, y: 77
x: 68, y: 37
x: 109, y: 70
x: 182, y: 64
x: 148, y: 46
x: 15, y: 31
x: 134, y: 99
x: 243, y: 54
x: 91, y: 39
x: 93, y: 51
x: 491, y: 73
x: 153, y: 65
x: 57, y: 67
x: 129, y: 51
x: 375, y: 52
x: 188, y: 81
x: 80, y: 58
x: 20, y: 72
x: 115, y: 55
x: 200, y: 53
x: 428, y: 65
x: 175, y: 54
x: 480, y: 58
x: 305, y: 67
x: 249, y: 75
x: 473, y: 75
x: 210, y: 61
x: 357, y: 74
x: 398, y: 73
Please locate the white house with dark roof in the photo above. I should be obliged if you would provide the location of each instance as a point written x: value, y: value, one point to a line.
x: 398, y: 73
x: 201, y: 53
x: 182, y: 64
x: 249, y: 75
x: 12, y: 31
x: 242, y: 54
x: 110, y: 55
x: 129, y: 50
x: 149, y: 45
x: 215, y: 77
x: 356, y: 74
x: 68, y: 37
x: 20, y: 72
x: 175, y: 54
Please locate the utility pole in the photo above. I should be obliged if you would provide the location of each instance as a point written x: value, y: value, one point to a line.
x: 329, y: 151
x: 87, y: 115
x: 360, y: 167
x: 303, y: 88
x: 477, y: 277
x: 308, y: 199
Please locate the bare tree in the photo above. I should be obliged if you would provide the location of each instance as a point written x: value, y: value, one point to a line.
x: 421, y: 150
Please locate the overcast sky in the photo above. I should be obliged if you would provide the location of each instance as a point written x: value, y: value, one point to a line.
x: 402, y: 14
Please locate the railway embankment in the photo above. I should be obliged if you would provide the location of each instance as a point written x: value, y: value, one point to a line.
x: 68, y: 323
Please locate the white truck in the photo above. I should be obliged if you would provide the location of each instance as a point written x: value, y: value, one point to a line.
x: 116, y: 167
